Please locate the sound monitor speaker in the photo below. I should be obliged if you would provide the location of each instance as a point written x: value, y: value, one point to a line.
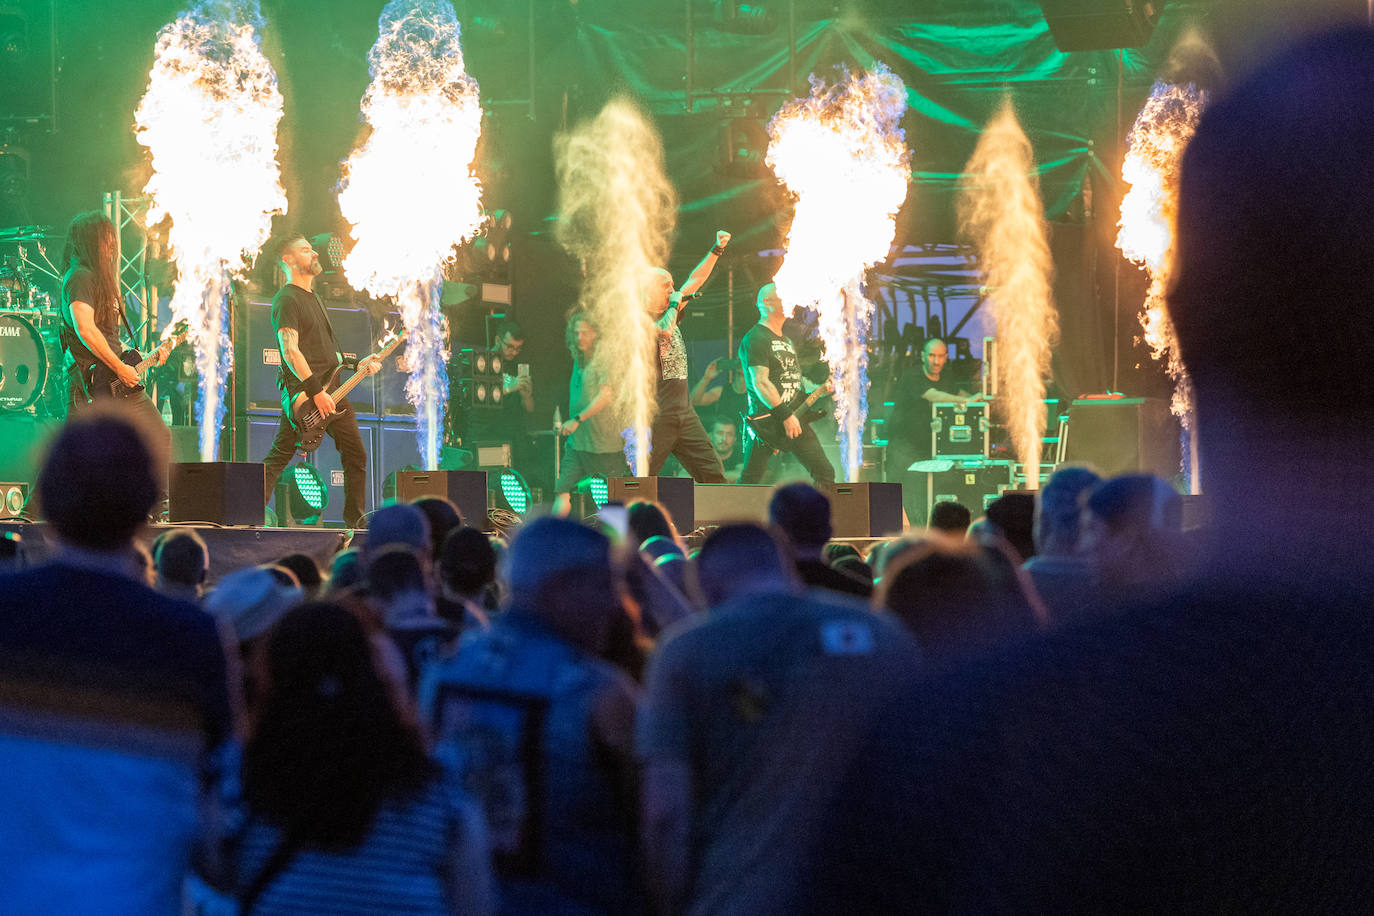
x: 719, y: 503
x: 221, y: 492
x: 865, y: 510
x: 674, y: 493
x: 465, y: 489
x: 1095, y: 25
x: 1123, y: 436
x: 13, y: 497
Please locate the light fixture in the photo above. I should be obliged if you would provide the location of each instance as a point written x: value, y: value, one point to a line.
x: 515, y: 491
x: 599, y: 488
x: 306, y: 494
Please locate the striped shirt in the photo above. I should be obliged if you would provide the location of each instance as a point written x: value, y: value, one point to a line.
x: 425, y: 854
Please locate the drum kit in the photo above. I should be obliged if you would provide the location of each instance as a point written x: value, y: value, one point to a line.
x: 32, y: 380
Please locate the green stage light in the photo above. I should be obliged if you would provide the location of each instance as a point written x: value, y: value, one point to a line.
x: 600, y: 489
x: 515, y: 491
x: 306, y: 493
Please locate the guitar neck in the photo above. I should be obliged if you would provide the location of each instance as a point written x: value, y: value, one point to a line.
x: 357, y: 377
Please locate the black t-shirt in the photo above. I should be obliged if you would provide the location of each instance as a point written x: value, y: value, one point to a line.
x: 304, y: 312
x: 731, y: 403
x: 79, y: 285
x: 761, y: 347
x: 908, y: 426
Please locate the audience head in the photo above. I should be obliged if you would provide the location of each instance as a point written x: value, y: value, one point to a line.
x: 1134, y: 530
x: 1243, y: 273
x: 835, y: 552
x: 802, y: 514
x: 467, y: 562
x: 346, y: 571
x: 853, y: 564
x: 398, y: 523
x: 181, y: 559
x: 443, y: 516
x: 250, y: 601
x: 1014, y: 516
x: 1059, y: 509
x: 306, y: 571
x: 649, y: 519
x: 950, y: 518
x: 742, y: 559
x: 395, y: 571
x: 950, y: 596
x: 561, y: 572
x: 329, y: 741
x: 659, y: 547
x: 98, y: 483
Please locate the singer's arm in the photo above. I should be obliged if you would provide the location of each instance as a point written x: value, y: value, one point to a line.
x: 703, y: 270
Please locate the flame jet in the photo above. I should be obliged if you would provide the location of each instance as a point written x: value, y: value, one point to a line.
x: 408, y: 189
x: 209, y: 120
x: 616, y: 213
x: 1149, y: 211
x: 1000, y: 210
x: 844, y: 161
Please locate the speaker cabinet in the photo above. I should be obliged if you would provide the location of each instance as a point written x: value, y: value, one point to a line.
x: 674, y: 493
x: 719, y: 503
x: 1096, y: 25
x: 259, y: 356
x: 865, y: 510
x: 465, y: 489
x: 13, y: 497
x: 327, y: 461
x: 222, y: 492
x: 1124, y: 436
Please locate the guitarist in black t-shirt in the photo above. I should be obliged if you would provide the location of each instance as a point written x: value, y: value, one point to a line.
x: 773, y: 377
x: 309, y: 357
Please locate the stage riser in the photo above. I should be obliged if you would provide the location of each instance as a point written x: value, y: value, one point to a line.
x: 230, y: 548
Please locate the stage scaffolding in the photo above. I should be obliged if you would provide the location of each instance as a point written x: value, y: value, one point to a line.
x: 129, y: 215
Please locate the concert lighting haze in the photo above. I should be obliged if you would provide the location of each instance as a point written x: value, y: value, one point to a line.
x: 845, y: 163
x: 617, y: 210
x: 1002, y: 213
x: 211, y: 108
x: 409, y: 192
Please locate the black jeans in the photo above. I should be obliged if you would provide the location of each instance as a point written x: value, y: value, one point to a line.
x: 807, y: 448
x: 677, y: 430
x: 343, y: 429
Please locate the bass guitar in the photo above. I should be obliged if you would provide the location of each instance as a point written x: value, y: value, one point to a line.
x: 305, y: 416
x: 768, y: 425
x: 100, y: 378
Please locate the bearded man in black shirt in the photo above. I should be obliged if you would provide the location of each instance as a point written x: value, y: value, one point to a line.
x: 774, y: 378
x: 309, y: 356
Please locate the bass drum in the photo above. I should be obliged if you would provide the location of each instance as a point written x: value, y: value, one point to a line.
x: 23, y: 362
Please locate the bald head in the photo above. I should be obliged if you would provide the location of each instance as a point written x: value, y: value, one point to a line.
x: 658, y: 286
x: 933, y: 357
x: 769, y: 302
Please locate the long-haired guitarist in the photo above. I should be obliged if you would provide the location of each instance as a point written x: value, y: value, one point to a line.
x: 92, y: 312
x: 309, y: 358
x: 773, y: 377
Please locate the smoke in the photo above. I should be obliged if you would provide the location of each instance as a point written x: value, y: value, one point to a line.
x: 1000, y: 210
x: 209, y: 121
x: 843, y: 158
x: 408, y: 189
x: 617, y: 213
x: 1149, y: 214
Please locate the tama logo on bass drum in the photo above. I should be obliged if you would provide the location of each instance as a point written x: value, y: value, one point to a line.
x: 9, y: 332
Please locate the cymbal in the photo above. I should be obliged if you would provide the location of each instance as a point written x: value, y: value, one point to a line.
x: 26, y: 233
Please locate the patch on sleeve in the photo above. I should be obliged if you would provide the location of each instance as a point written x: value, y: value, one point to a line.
x: 846, y: 637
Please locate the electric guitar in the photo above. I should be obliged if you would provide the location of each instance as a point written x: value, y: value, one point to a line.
x: 768, y: 425
x: 305, y: 416
x: 100, y: 378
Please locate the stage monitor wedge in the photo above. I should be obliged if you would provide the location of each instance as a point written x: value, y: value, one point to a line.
x: 676, y: 494
x: 465, y: 489
x: 217, y: 492
x: 1097, y: 25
